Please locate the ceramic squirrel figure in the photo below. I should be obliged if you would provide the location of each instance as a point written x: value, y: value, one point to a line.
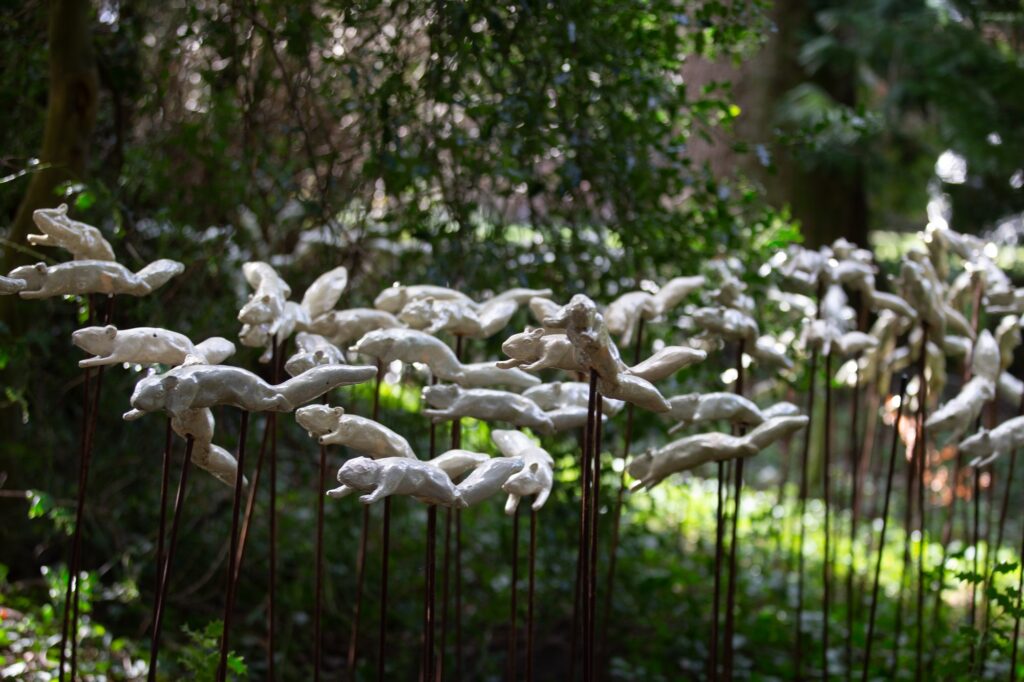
x: 537, y: 475
x: 410, y: 346
x: 84, y: 242
x: 537, y: 348
x: 429, y: 482
x: 488, y: 479
x: 393, y: 299
x: 959, y: 413
x: 199, y: 424
x: 462, y: 317
x: 985, y: 446
x: 9, y: 285
x: 652, y: 467
x: 341, y: 327
x: 447, y: 402
x: 566, y: 403
x: 269, y: 315
x: 147, y: 346
x: 380, y: 478
x: 693, y: 408
x: 623, y: 315
x: 413, y: 346
x: 80, y: 277
x: 331, y: 426
x: 312, y: 350
x: 584, y: 327
x: 194, y: 386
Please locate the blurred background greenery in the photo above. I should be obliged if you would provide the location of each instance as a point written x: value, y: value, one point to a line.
x: 582, y: 146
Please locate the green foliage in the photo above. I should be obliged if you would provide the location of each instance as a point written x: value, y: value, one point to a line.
x: 200, y: 657
x: 890, y: 86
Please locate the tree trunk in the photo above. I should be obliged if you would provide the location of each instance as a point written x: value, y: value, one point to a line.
x: 829, y: 202
x: 70, y: 117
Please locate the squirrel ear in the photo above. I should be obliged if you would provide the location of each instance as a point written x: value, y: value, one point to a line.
x: 266, y: 298
x: 339, y: 411
x: 41, y: 268
x: 169, y: 382
x: 110, y: 331
x: 534, y: 467
x: 535, y: 333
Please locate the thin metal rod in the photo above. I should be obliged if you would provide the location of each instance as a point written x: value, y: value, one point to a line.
x: 579, y: 615
x: 79, y: 517
x: 73, y: 561
x: 382, y: 635
x: 976, y: 543
x: 269, y: 436
x: 799, y: 648
x: 854, y: 494
x: 456, y: 443
x: 1000, y: 533
x: 445, y: 573
x: 353, y: 642
x: 908, y: 529
x: 921, y: 441
x: 164, y: 476
x: 826, y: 456
x: 530, y: 595
x: 730, y: 592
x: 613, y: 548
x: 595, y: 511
x: 278, y: 358
x: 458, y: 595
x: 717, y: 588
x: 1016, y: 617
x: 229, y: 601
x: 429, y: 580
x: 513, y: 614
x: 82, y: 470
x: 885, y: 524
x: 588, y: 486
x: 947, y: 537
x: 250, y: 502
x: 319, y: 559
x: 430, y: 564
x: 165, y: 571
x: 90, y: 417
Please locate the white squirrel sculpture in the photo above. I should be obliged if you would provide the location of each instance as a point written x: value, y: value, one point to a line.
x: 147, y: 346
x: 331, y: 426
x: 150, y: 345
x: 312, y: 350
x: 85, y: 242
x: 959, y: 413
x: 193, y: 386
x: 692, y: 408
x: 548, y: 347
x: 379, y: 478
x: 82, y: 277
x: 413, y: 346
x: 268, y: 314
x: 466, y: 318
x: 430, y: 482
x: 985, y: 446
x: 9, y: 285
x: 537, y: 474
x: 448, y: 401
x: 652, y: 467
x: 566, y: 403
x: 624, y: 313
